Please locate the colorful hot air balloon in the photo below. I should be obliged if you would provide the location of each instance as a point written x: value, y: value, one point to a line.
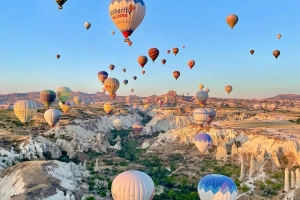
x: 175, y: 51
x: 273, y: 106
x: 25, y: 110
x: 252, y: 52
x: 52, y: 116
x: 87, y: 25
x: 279, y: 36
x: 57, y: 56
x: 127, y: 15
x: 102, y: 76
x: 118, y: 124
x: 201, y: 86
x: 112, y: 32
x: 129, y: 43
x: 108, y: 107
x: 207, y: 90
x: 191, y: 63
x: 202, y: 141
x: 111, y: 85
x: 47, y: 97
x: 125, y: 82
x: 78, y: 100
x: 137, y: 127
x: 131, y: 90
x: 176, y: 74
x: 168, y: 51
x: 276, y: 53
x: 63, y: 94
x: 60, y: 3
x: 143, y: 72
x: 232, y: 20
x: 124, y: 70
x: 65, y: 107
x: 153, y: 53
x: 217, y: 186
x: 142, y: 60
x: 228, y: 88
x: 132, y: 185
x: 211, y: 115
x: 200, y: 116
x: 134, y: 78
x: 111, y: 67
x: 163, y: 61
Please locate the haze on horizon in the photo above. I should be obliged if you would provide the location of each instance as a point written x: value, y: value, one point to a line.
x: 35, y: 31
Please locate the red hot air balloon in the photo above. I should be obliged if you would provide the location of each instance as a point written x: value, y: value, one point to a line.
x: 153, y: 53
x: 176, y: 74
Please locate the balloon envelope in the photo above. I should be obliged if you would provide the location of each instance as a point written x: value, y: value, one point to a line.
x: 201, y: 86
x: 276, y: 53
x: 228, y: 88
x: 102, y: 76
x: 201, y: 96
x: 108, y: 107
x: 25, y: 110
x: 200, y: 116
x: 63, y: 94
x: 191, y: 63
x: 87, y: 25
x: 176, y: 74
x: 163, y: 61
x: 77, y: 100
x: 232, y: 20
x: 153, y: 53
x: 202, y: 141
x: 47, y: 97
x: 125, y: 82
x: 137, y: 127
x: 211, y: 115
x: 111, y: 67
x: 65, y: 107
x: 175, y: 51
x: 111, y: 85
x: 118, y: 124
x: 52, y: 116
x: 142, y: 60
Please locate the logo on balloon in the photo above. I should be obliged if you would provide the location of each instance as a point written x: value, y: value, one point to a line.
x: 117, y: 13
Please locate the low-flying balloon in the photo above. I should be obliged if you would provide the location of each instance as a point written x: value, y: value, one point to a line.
x: 228, y: 88
x: 125, y: 82
x: 191, y: 63
x: 102, y: 76
x: 252, y: 52
x: 175, y: 51
x: 143, y: 72
x: 142, y: 60
x: 63, y: 94
x: 201, y: 86
x: 60, y: 3
x: 108, y: 107
x: 276, y: 53
x: 118, y: 124
x: 176, y: 74
x: 163, y: 61
x: 134, y: 78
x: 78, y: 100
x: 87, y: 25
x: 111, y: 67
x: 202, y: 141
x: 232, y: 20
x: 57, y: 56
x: 25, y: 110
x: 137, y: 128
x: 65, y: 107
x: 111, y: 85
x: 153, y: 53
x: 52, y: 116
x: 47, y: 97
x: 200, y: 116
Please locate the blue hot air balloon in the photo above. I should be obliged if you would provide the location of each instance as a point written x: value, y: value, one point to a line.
x: 202, y: 142
x: 125, y: 82
x: 217, y: 187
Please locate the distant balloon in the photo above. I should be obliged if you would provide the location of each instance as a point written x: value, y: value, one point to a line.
x: 276, y: 53
x: 131, y: 90
x: 207, y: 90
x: 111, y: 67
x: 60, y: 3
x: 252, y: 52
x: 143, y: 72
x: 163, y: 61
x: 129, y: 43
x: 134, y: 78
x: 65, y: 107
x: 228, y: 88
x: 52, y: 116
x: 102, y: 76
x: 63, y: 94
x: 57, y: 56
x: 125, y: 82
x: 232, y: 20
x: 263, y: 105
x: 176, y: 74
x: 137, y: 127
x: 211, y: 115
x: 200, y: 116
x: 153, y: 53
x: 142, y: 60
x: 47, y: 97
x: 201, y: 86
x: 279, y: 36
x: 202, y: 141
x: 108, y: 107
x: 191, y: 63
x: 160, y: 103
x: 111, y: 85
x: 124, y: 70
x: 128, y: 99
x: 175, y: 51
x: 112, y: 32
x: 87, y: 25
x: 78, y: 100
x: 183, y: 47
x: 273, y: 106
x: 25, y: 110
x: 146, y: 106
x: 168, y: 51
x: 118, y: 124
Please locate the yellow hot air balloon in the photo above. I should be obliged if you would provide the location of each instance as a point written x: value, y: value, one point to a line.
x: 201, y: 86
x: 111, y: 85
x: 279, y: 36
x: 232, y: 20
x: 25, y: 110
x: 65, y: 107
x: 77, y: 100
x: 228, y: 88
x: 108, y: 107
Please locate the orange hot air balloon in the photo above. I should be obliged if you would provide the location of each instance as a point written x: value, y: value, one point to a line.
x: 113, y: 96
x: 252, y: 52
x: 163, y: 61
x: 279, y: 36
x: 168, y: 51
x: 176, y: 74
x: 143, y: 72
x: 276, y: 53
x: 57, y: 56
x: 191, y: 63
x: 111, y: 67
x: 129, y: 43
x: 153, y: 53
x: 142, y: 60
x: 232, y: 20
x: 175, y: 51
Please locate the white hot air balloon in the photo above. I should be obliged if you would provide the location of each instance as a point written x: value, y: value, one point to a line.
x: 202, y: 141
x: 118, y: 124
x: 200, y: 116
x: 25, y: 110
x: 52, y: 116
x: 132, y: 185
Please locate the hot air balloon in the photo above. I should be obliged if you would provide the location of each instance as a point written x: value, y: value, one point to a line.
x: 124, y: 70
x: 102, y: 76
x: 87, y: 25
x: 128, y: 99
x: 111, y: 67
x: 211, y: 115
x: 168, y: 51
x: 47, y: 97
x: 175, y: 51
x: 252, y: 52
x: 202, y: 141
x: 279, y: 36
x: 25, y: 110
x: 131, y: 90
x: 146, y: 106
x: 52, y: 116
x: 201, y: 86
x: 142, y: 60
x: 183, y: 47
x: 133, y: 185
x: 153, y: 53
x: 191, y: 63
x: 65, y: 107
x: 112, y: 32
x: 125, y: 82
x: 78, y: 100
x: 176, y: 74
x: 228, y: 88
x: 201, y: 97
x: 207, y: 90
x: 57, y: 56
x: 60, y: 3
x: 143, y: 72
x: 108, y: 107
x: 134, y: 78
x: 129, y: 43
x: 217, y: 186
x: 111, y: 85
x: 103, y: 90
x: 63, y: 94
x: 137, y: 127
x: 276, y: 53
x: 200, y: 116
x: 160, y: 103
x: 127, y: 15
x: 163, y: 61
x: 232, y: 20
x: 263, y: 105
x: 118, y: 124
x: 273, y: 106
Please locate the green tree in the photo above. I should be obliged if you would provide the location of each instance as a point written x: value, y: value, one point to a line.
x: 171, y: 194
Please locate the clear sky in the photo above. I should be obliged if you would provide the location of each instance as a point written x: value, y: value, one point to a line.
x: 34, y: 31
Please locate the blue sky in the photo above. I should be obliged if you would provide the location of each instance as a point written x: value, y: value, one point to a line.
x: 33, y: 32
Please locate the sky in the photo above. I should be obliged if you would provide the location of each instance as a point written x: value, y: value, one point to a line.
x: 34, y: 31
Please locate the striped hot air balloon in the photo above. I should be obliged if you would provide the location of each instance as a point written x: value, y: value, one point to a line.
x: 153, y: 53
x: 47, y: 97
x: 25, y: 110
x: 111, y: 85
x: 200, y: 116
x: 202, y: 141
